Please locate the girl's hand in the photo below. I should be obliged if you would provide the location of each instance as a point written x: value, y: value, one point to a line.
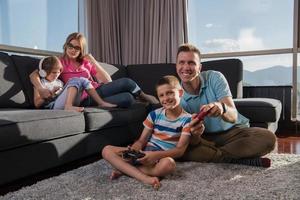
x: 90, y: 58
x: 56, y: 90
x: 45, y: 93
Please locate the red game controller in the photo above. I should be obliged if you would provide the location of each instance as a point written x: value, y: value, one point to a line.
x: 202, y: 114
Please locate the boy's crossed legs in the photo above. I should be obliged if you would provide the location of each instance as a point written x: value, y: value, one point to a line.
x: 148, y: 174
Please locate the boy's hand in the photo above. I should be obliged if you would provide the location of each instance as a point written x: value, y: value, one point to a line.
x: 137, y: 145
x: 197, y: 126
x: 149, y: 158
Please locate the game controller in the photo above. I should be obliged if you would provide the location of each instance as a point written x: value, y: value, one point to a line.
x: 57, y: 92
x: 131, y: 154
x: 202, y: 114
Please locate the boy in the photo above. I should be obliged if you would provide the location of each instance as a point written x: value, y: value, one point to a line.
x: 166, y: 135
x: 49, y: 70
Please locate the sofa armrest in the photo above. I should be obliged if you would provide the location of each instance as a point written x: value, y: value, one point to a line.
x: 259, y: 110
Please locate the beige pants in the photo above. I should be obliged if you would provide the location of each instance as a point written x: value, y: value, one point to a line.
x: 235, y: 143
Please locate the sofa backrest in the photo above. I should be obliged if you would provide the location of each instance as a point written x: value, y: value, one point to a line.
x: 147, y: 75
x: 12, y: 93
x: 115, y: 71
x: 25, y: 65
x: 16, y: 90
x: 232, y: 69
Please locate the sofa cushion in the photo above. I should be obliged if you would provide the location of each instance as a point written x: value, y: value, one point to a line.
x: 98, y: 118
x: 115, y: 71
x: 259, y: 109
x: 25, y: 126
x: 147, y: 75
x: 11, y: 90
x: 25, y: 65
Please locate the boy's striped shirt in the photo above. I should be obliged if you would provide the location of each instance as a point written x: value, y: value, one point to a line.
x: 166, y: 132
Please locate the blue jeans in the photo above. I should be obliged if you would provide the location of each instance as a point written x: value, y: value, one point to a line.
x: 121, y: 92
x: 59, y: 102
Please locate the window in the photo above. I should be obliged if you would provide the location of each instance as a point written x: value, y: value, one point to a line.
x: 234, y: 25
x: 260, y: 29
x: 266, y: 70
x: 298, y: 88
x: 37, y: 24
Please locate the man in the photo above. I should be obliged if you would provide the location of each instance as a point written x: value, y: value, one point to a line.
x: 227, y: 136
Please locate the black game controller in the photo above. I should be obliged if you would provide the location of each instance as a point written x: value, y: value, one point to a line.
x: 131, y: 154
x: 202, y: 114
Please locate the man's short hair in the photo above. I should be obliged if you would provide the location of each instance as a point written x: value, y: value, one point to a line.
x: 188, y: 48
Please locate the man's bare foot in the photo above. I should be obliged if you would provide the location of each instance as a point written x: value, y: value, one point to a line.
x: 115, y: 174
x: 108, y: 105
x: 74, y: 108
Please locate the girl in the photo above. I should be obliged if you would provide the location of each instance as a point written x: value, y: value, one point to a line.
x: 63, y: 98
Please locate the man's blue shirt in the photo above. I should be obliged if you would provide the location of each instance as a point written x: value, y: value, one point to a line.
x: 214, y: 87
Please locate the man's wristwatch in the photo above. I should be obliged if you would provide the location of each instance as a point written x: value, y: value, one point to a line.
x: 224, y: 108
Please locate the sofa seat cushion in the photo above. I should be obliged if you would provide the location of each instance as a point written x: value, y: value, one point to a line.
x: 98, y: 118
x: 259, y: 109
x: 20, y: 127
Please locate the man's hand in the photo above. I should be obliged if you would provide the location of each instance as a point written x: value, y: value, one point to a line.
x: 216, y: 109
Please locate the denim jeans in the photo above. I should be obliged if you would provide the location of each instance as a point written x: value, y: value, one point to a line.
x: 59, y: 102
x: 121, y: 92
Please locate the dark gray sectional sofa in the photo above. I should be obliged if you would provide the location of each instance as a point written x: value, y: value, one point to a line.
x: 33, y: 140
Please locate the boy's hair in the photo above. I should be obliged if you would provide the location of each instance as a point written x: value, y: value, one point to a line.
x: 188, y: 48
x: 170, y: 80
x: 49, y: 63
